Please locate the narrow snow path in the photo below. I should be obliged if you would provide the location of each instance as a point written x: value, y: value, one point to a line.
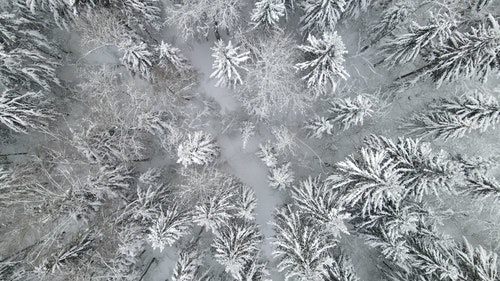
x: 243, y: 164
x: 252, y: 172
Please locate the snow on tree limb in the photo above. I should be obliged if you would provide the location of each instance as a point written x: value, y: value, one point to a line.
x: 468, y: 55
x: 317, y: 202
x: 169, y: 227
x: 302, y: 251
x: 453, y: 118
x: 198, y: 148
x: 355, y: 8
x: 213, y: 212
x: 481, y: 186
x: 270, y: 85
x: 137, y: 58
x: 235, y: 245
x: 22, y: 111
x: 340, y: 270
x: 267, y: 13
x: 281, y: 177
x: 324, y: 61
x: 407, y: 47
x: 172, y: 56
x: 187, y: 266
x: 321, y: 16
x: 228, y: 62
x: 352, y: 112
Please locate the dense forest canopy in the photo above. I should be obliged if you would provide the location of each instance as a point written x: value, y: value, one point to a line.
x: 309, y: 140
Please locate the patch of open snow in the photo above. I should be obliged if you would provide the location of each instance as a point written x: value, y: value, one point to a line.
x: 200, y: 56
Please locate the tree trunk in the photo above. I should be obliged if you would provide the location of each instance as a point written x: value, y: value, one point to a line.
x: 147, y: 269
x: 412, y: 73
x: 216, y: 31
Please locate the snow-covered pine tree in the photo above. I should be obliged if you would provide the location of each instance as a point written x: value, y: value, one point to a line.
x: 8, y: 27
x: 154, y: 123
x: 481, y: 186
x: 140, y: 14
x: 340, y: 270
x: 352, y: 112
x: 214, y: 212
x: 392, y: 245
x: 354, y: 8
x: 395, y: 220
x: 267, y: 14
x: 235, y: 245
x: 20, y: 29
x: 482, y: 109
x: 198, y: 149
x: 321, y: 16
x: 108, y: 145
x: 318, y: 126
x: 303, y: 252
x: 247, y: 130
x: 254, y: 270
x: 398, y: 232
x: 281, y: 177
x: 440, y: 125
x: 28, y: 68
x: 77, y: 250
x: 245, y: 203
x: 22, y: 111
x: 368, y: 181
x: 466, y: 55
x: 403, y: 230
x: 187, y: 265
x: 137, y: 58
x: 422, y: 171
x: 435, y: 258
x: 324, y: 61
x: 268, y: 155
x: 285, y: 140
x: 150, y: 177
x: 169, y: 227
x: 476, y: 263
x: 109, y: 181
x: 344, y: 114
x: 197, y: 18
x: 61, y: 11
x: 227, y: 64
x: 471, y: 164
x: 125, y: 261
x: 392, y: 17
x: 171, y: 56
x: 318, y: 203
x: 406, y: 47
x: 147, y: 205
x: 453, y: 118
